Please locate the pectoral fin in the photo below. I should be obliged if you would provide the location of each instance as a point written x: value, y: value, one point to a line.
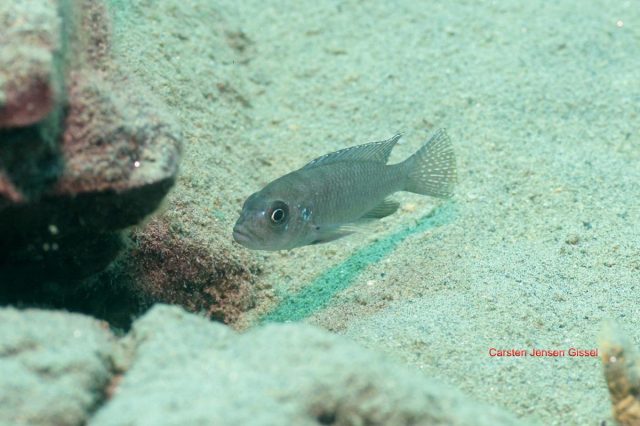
x: 331, y: 233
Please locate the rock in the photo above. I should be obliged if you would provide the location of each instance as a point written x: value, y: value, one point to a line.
x: 160, y: 265
x: 54, y: 367
x: 183, y: 369
x: 178, y: 368
x: 30, y: 45
x: 572, y: 239
x: 621, y: 366
x: 84, y: 149
x: 213, y: 282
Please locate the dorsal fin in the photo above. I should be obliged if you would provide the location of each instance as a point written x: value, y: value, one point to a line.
x: 374, y: 151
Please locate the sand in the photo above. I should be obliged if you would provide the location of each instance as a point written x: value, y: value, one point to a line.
x: 539, y: 245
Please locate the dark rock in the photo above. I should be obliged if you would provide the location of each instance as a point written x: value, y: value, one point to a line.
x: 171, y: 269
x: 85, y: 151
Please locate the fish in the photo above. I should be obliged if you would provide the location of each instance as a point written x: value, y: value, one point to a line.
x: 339, y: 193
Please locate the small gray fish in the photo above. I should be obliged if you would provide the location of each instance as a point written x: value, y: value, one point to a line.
x: 334, y: 194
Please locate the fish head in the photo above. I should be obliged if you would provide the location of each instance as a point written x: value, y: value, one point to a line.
x: 269, y: 222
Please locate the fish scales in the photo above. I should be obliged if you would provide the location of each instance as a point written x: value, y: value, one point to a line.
x: 331, y: 196
x: 348, y: 189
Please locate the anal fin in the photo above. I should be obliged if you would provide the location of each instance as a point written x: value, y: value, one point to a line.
x: 327, y: 233
x: 384, y: 209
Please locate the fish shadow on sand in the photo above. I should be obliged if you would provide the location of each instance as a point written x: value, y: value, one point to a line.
x: 318, y: 294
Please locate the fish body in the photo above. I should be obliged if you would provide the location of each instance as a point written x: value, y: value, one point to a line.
x: 332, y: 195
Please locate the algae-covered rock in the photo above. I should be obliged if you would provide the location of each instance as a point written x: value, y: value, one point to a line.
x: 182, y: 369
x: 30, y: 39
x: 98, y: 155
x: 85, y: 150
x: 214, y: 283
x: 54, y: 367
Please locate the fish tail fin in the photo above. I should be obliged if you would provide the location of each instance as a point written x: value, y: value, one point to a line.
x: 432, y: 170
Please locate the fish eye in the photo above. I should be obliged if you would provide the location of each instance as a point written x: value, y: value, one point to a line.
x: 279, y: 213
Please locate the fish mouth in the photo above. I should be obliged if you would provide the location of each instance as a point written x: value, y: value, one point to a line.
x: 242, y: 237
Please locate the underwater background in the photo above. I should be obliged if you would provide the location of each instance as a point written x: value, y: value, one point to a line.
x: 208, y: 102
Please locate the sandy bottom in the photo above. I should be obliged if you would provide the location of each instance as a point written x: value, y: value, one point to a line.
x: 540, y: 243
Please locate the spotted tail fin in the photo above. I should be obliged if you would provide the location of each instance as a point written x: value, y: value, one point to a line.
x: 432, y: 170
